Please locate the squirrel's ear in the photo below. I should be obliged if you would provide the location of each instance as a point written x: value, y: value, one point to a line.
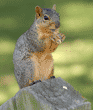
x: 38, y: 11
x: 54, y: 7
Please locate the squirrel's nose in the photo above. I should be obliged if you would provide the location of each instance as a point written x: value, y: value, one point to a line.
x: 57, y: 24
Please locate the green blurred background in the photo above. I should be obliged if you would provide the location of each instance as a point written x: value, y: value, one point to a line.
x: 73, y: 59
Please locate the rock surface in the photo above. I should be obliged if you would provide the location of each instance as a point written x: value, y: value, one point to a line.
x: 50, y: 94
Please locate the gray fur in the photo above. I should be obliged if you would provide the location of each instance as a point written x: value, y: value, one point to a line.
x: 23, y: 66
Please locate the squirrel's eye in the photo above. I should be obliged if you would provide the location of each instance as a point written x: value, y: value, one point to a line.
x: 46, y: 18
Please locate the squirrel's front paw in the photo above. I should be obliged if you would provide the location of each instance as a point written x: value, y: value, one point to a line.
x: 59, y: 41
x: 62, y: 36
x: 56, y: 39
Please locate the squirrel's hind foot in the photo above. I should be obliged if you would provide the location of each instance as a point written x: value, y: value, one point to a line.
x: 34, y: 82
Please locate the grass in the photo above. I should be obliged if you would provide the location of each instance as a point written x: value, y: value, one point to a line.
x: 73, y: 59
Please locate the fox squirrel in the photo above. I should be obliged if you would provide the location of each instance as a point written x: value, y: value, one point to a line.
x: 32, y: 56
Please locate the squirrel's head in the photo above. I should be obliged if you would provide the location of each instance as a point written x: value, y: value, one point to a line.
x: 47, y: 17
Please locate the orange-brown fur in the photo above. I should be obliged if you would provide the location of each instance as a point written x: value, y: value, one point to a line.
x: 42, y: 60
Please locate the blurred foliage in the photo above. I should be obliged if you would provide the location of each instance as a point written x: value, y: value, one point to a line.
x: 73, y: 59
